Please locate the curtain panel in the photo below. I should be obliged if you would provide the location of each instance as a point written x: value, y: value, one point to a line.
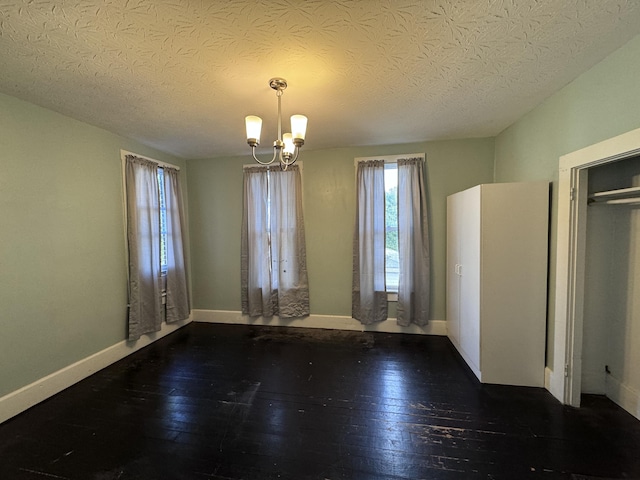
x: 273, y: 252
x: 413, y: 244
x: 143, y: 230
x: 177, y: 299
x: 369, y: 296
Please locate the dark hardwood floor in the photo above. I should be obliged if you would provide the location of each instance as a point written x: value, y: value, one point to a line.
x: 240, y: 402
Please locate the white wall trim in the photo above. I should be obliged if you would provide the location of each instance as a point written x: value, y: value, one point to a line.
x: 26, y: 397
x: 623, y: 395
x: 569, y: 293
x: 435, y: 327
x: 548, y: 373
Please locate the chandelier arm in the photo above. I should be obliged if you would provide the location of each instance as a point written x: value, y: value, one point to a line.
x: 275, y: 154
x: 285, y: 158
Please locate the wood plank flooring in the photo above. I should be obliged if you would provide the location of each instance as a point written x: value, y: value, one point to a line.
x: 251, y: 402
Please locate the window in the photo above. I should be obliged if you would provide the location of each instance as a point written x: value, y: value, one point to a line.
x: 391, y: 259
x: 162, y: 205
x: 155, y: 225
x: 390, y: 247
x: 391, y: 256
x: 274, y: 271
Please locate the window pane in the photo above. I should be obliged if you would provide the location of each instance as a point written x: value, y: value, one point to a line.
x: 391, y: 226
x: 163, y: 221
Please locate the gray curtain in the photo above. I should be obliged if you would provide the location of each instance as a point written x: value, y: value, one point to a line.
x: 143, y: 230
x: 273, y: 260
x: 369, y: 297
x: 413, y: 244
x: 177, y: 305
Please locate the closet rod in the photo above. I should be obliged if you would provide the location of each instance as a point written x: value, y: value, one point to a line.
x: 617, y: 201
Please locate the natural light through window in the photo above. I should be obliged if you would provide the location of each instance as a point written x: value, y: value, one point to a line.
x: 163, y: 221
x: 392, y: 271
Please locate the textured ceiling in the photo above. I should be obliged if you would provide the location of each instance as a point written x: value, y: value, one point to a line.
x: 181, y: 75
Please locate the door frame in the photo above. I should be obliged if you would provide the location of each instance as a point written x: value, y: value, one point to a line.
x: 565, y: 378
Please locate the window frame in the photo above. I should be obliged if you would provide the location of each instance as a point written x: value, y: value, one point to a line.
x: 392, y: 296
x: 162, y: 207
x: 161, y: 165
x: 268, y: 231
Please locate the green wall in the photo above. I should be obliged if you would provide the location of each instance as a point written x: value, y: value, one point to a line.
x: 62, y: 246
x: 601, y: 103
x: 215, y: 200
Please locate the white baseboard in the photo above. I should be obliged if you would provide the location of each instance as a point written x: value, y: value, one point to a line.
x: 547, y: 378
x: 26, y: 397
x: 554, y: 382
x: 623, y: 395
x: 435, y: 327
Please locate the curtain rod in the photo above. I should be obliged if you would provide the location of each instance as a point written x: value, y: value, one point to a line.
x: 124, y: 153
x: 249, y: 166
x: 390, y: 158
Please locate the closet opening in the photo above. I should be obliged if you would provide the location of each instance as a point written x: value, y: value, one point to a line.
x: 598, y: 274
x: 611, y: 312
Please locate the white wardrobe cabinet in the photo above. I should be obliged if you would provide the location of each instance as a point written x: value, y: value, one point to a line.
x: 497, y: 237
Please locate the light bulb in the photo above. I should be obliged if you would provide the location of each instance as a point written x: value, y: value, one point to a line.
x: 289, y: 147
x: 298, y: 127
x: 254, y: 125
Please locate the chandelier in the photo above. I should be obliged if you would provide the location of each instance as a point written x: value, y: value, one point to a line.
x: 286, y: 147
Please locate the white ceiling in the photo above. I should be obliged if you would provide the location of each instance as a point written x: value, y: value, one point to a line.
x: 180, y: 75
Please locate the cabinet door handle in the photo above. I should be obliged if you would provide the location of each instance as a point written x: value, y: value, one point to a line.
x: 458, y: 269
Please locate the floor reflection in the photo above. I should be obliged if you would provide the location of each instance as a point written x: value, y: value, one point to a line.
x: 393, y: 427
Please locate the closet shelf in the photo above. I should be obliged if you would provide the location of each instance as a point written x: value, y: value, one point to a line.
x: 621, y: 196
